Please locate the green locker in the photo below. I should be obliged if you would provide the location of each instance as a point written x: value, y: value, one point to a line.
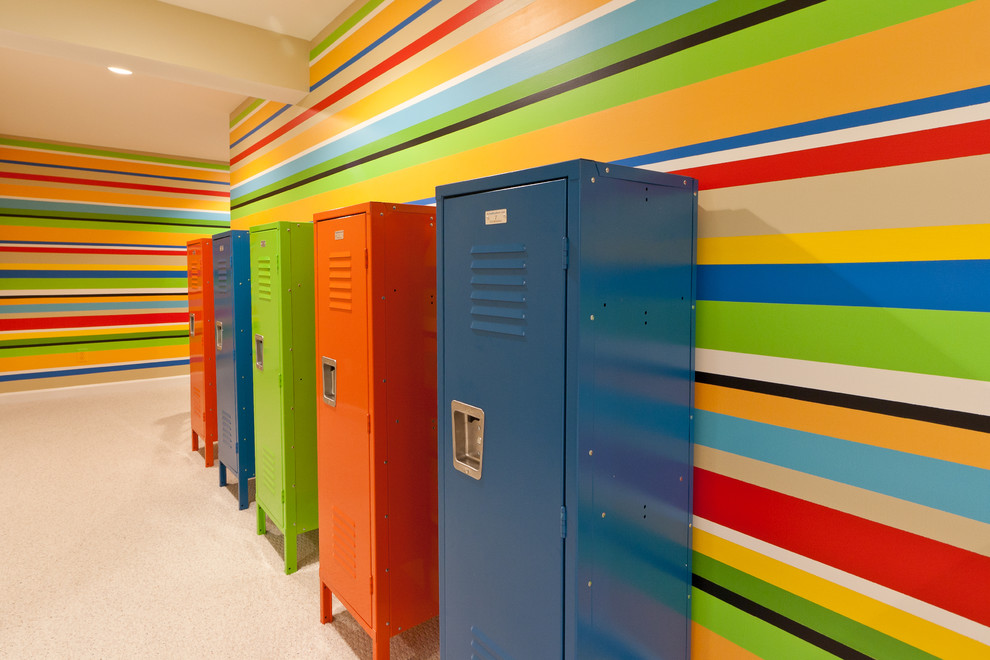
x: 282, y: 322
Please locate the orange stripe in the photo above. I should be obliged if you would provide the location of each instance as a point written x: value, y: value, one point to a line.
x: 706, y: 645
x: 64, y: 234
x: 64, y: 159
x: 945, y: 443
x: 260, y: 115
x: 88, y: 358
x: 87, y: 196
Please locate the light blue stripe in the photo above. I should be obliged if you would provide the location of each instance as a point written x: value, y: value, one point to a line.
x: 613, y: 27
x: 88, y: 307
x: 14, y: 203
x: 943, y: 485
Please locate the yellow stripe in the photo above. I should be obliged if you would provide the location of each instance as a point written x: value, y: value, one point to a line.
x: 937, y: 441
x: 84, y: 332
x: 89, y: 358
x: 98, y: 162
x: 260, y: 115
x: 889, y: 620
x: 803, y: 87
x: 910, y: 244
x: 69, y: 235
x: 85, y: 195
x: 529, y: 23
x: 706, y: 645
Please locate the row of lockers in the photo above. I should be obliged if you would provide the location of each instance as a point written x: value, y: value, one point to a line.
x: 484, y: 406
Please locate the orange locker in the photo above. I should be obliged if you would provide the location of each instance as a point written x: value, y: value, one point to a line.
x: 376, y: 419
x: 202, y: 352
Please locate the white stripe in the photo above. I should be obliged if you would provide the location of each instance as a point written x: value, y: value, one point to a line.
x: 55, y: 370
x: 519, y: 50
x: 842, y: 136
x: 878, y: 592
x: 357, y: 26
x: 113, y: 292
x: 143, y: 326
x: 962, y: 394
x: 129, y: 206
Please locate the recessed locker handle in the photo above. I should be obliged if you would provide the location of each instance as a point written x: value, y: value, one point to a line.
x: 219, y: 335
x: 468, y: 436
x: 330, y: 381
x: 192, y: 325
x: 259, y: 351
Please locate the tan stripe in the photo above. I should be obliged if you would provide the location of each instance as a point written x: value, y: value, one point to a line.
x: 890, y: 197
x: 924, y: 521
x: 88, y: 259
x: 90, y: 379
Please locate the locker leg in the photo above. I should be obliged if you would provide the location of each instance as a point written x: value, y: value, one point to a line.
x: 261, y: 521
x: 290, y: 553
x: 223, y: 475
x: 195, y: 440
x: 242, y: 492
x: 379, y: 646
x: 326, y: 603
x: 208, y: 443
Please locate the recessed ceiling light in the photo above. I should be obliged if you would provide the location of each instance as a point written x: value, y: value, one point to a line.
x: 120, y: 70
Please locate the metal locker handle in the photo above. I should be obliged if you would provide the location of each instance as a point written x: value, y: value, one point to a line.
x: 330, y: 381
x: 468, y: 431
x: 259, y: 350
x: 219, y: 335
x: 192, y: 325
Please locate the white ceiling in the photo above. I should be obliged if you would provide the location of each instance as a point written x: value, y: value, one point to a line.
x: 194, y: 62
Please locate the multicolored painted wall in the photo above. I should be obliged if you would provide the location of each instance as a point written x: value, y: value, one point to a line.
x: 93, y: 261
x: 843, y: 149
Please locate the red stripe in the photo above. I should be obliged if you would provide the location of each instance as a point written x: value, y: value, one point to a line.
x: 68, y: 250
x: 54, y: 322
x: 956, y: 141
x: 112, y: 184
x: 431, y: 37
x: 943, y: 575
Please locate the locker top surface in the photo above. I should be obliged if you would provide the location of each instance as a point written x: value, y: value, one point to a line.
x: 278, y: 224
x: 232, y: 233
x: 368, y: 207
x: 205, y: 242
x: 577, y: 169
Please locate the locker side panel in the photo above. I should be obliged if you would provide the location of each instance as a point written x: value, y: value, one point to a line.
x: 343, y: 411
x: 267, y: 337
x: 636, y: 256
x: 202, y: 350
x: 410, y: 346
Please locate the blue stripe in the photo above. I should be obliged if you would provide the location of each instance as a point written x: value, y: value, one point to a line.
x: 941, y: 285
x: 608, y: 29
x: 55, y: 373
x: 88, y: 307
x: 94, y: 169
x: 55, y: 274
x: 259, y: 126
x: 13, y: 203
x: 943, y: 485
x: 377, y: 42
x: 838, y: 122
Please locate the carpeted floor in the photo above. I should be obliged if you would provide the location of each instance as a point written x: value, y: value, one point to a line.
x: 118, y: 543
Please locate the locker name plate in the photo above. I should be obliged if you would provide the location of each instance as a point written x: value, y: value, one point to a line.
x: 496, y: 217
x: 338, y: 235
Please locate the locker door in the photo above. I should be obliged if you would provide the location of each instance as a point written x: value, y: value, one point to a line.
x: 344, y: 409
x: 223, y: 335
x: 266, y: 323
x: 503, y: 343
x: 197, y: 348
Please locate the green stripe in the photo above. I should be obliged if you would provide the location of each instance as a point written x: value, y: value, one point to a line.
x: 823, y: 620
x: 46, y: 146
x: 941, y: 343
x: 753, y: 634
x: 813, y: 27
x: 41, y: 345
x: 137, y: 342
x: 175, y: 225
x: 94, y: 283
x: 248, y: 110
x: 344, y: 27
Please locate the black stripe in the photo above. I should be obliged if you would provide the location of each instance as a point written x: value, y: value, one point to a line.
x: 37, y: 344
x: 180, y: 222
x: 954, y: 418
x: 665, y: 50
x: 778, y: 620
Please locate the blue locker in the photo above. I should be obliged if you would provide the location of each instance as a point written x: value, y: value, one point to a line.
x: 565, y: 304
x: 235, y: 404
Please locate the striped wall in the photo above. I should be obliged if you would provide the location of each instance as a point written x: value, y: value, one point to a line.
x: 842, y: 448
x: 93, y: 261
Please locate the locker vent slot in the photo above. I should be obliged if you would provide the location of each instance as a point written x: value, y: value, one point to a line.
x: 344, y: 550
x: 265, y: 278
x: 226, y: 428
x: 339, y: 280
x: 195, y: 282
x: 267, y: 466
x: 484, y: 648
x: 222, y: 283
x: 498, y: 289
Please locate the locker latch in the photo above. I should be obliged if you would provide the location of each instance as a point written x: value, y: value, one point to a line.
x: 330, y: 381
x: 468, y: 431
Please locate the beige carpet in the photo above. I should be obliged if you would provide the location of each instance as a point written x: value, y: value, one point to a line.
x: 118, y: 543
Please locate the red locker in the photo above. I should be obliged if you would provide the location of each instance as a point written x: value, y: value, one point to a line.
x: 202, y: 349
x: 376, y: 420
